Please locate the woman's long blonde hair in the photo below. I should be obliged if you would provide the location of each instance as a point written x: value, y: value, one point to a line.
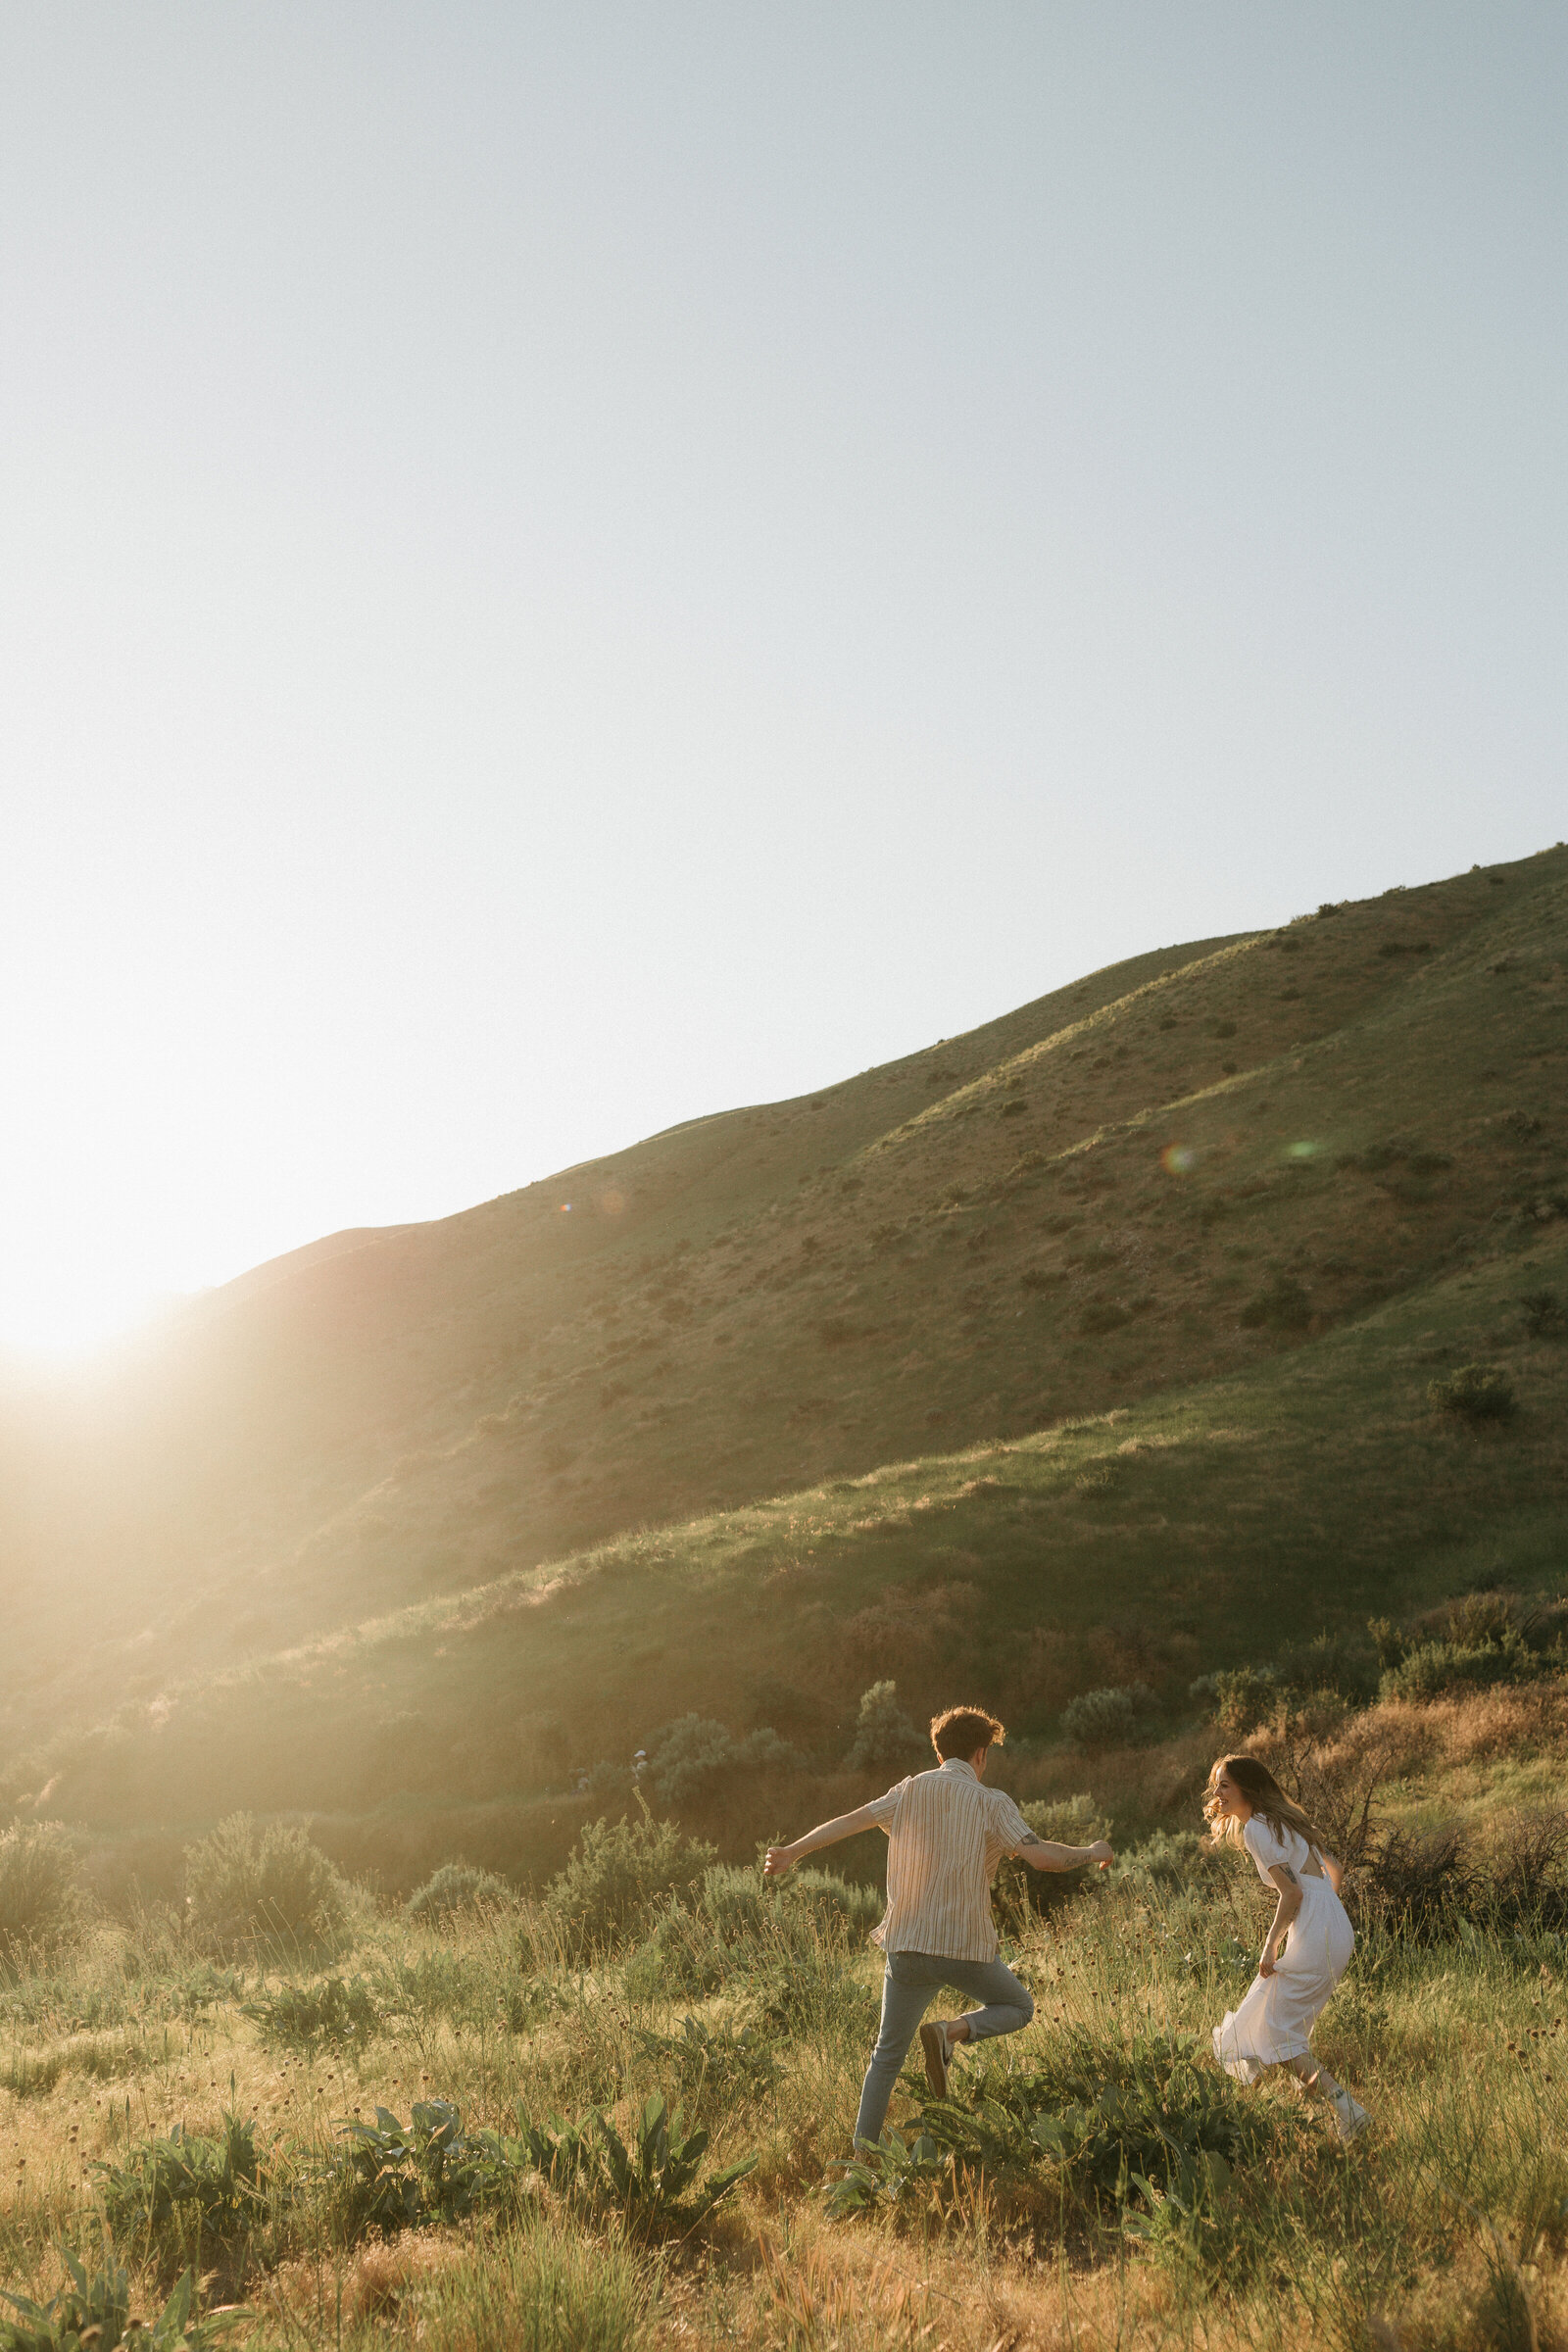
x: 1265, y: 1794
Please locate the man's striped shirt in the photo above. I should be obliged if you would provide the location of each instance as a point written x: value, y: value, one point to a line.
x: 947, y: 1832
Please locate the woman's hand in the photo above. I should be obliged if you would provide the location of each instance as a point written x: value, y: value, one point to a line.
x: 780, y: 1858
x: 1266, y: 1965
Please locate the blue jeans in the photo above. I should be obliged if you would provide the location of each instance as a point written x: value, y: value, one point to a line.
x: 913, y: 1978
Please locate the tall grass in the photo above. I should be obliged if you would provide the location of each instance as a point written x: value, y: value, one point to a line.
x: 1041, y: 2204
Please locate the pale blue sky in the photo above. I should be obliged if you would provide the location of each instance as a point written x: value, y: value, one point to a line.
x: 564, y: 567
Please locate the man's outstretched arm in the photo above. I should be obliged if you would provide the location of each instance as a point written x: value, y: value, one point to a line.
x: 1041, y: 1854
x: 781, y: 1858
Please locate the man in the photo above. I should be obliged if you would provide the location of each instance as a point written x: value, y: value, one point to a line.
x: 945, y: 1835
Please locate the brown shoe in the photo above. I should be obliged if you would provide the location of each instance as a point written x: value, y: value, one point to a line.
x: 934, y: 2044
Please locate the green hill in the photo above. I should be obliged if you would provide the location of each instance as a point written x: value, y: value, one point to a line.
x: 408, y: 1519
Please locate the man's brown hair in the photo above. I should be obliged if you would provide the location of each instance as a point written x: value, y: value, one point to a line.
x: 961, y: 1730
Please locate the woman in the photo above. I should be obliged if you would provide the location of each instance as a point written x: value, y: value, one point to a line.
x: 1308, y: 1946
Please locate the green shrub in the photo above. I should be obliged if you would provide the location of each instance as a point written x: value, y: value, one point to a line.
x: 1060, y: 1821
x: 1544, y: 1315
x: 1170, y: 1859
x: 1115, y: 2126
x: 1066, y: 1820
x: 455, y: 1888
x: 452, y: 1985
x: 1280, y: 1305
x: 651, y: 2178
x: 1341, y: 1665
x: 1237, y: 1697
x: 739, y: 1928
x: 41, y: 1907
x: 1433, y: 1667
x: 686, y: 1957
x: 272, y: 1886
x: 96, y: 2312
x: 885, y: 1738
x: 306, y: 2017
x: 735, y: 2060
x: 1475, y: 1392
x: 737, y: 1901
x: 1107, y: 1718
x: 1421, y: 1881
x: 170, y: 2193
x: 395, y: 2176
x: 619, y: 1876
x: 693, y: 1757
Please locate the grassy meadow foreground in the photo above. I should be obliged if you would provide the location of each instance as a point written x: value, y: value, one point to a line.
x: 617, y: 2114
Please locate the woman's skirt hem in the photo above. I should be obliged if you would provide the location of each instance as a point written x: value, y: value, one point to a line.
x: 1247, y: 2065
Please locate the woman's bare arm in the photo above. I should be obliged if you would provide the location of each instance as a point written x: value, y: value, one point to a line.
x: 1285, y: 1910
x: 781, y: 1858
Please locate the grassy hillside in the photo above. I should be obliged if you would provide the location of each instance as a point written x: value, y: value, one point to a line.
x: 232, y: 1478
x: 1199, y: 1529
x: 418, y: 1516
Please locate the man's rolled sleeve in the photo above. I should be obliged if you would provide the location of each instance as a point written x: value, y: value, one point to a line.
x: 1010, y: 1825
x: 884, y: 1807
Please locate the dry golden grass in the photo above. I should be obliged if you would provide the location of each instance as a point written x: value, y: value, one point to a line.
x: 1445, y: 2231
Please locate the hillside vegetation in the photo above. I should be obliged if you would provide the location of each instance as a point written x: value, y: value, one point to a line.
x: 1060, y: 1355
x: 617, y: 2116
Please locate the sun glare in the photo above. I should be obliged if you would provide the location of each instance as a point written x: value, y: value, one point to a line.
x: 57, y: 1321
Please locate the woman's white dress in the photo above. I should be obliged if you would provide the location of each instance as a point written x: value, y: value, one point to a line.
x: 1276, y: 2017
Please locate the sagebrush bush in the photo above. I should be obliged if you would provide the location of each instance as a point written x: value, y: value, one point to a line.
x: 41, y: 1906
x: 1107, y: 1718
x: 1471, y: 1618
x: 694, y: 1757
x: 1338, y: 1665
x: 1060, y: 1821
x: 306, y: 2017
x: 885, y: 1738
x: 741, y: 1929
x: 1543, y: 1315
x: 619, y: 1876
x: 1066, y: 1820
x: 1432, y: 1667
x: 1342, y: 1663
x: 737, y: 1902
x: 1168, y: 1860
x: 1474, y: 1393
x: 1280, y: 1305
x: 1237, y: 1697
x: 1420, y: 1882
x: 458, y: 1887
x: 249, y: 1887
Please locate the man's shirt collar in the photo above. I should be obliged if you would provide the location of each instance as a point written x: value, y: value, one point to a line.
x: 957, y: 1764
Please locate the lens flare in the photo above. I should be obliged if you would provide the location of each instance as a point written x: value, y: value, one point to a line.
x: 1304, y: 1151
x: 566, y: 1208
x: 1178, y: 1159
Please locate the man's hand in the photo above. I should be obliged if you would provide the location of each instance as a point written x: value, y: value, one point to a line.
x: 780, y: 1858
x: 1101, y: 1856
